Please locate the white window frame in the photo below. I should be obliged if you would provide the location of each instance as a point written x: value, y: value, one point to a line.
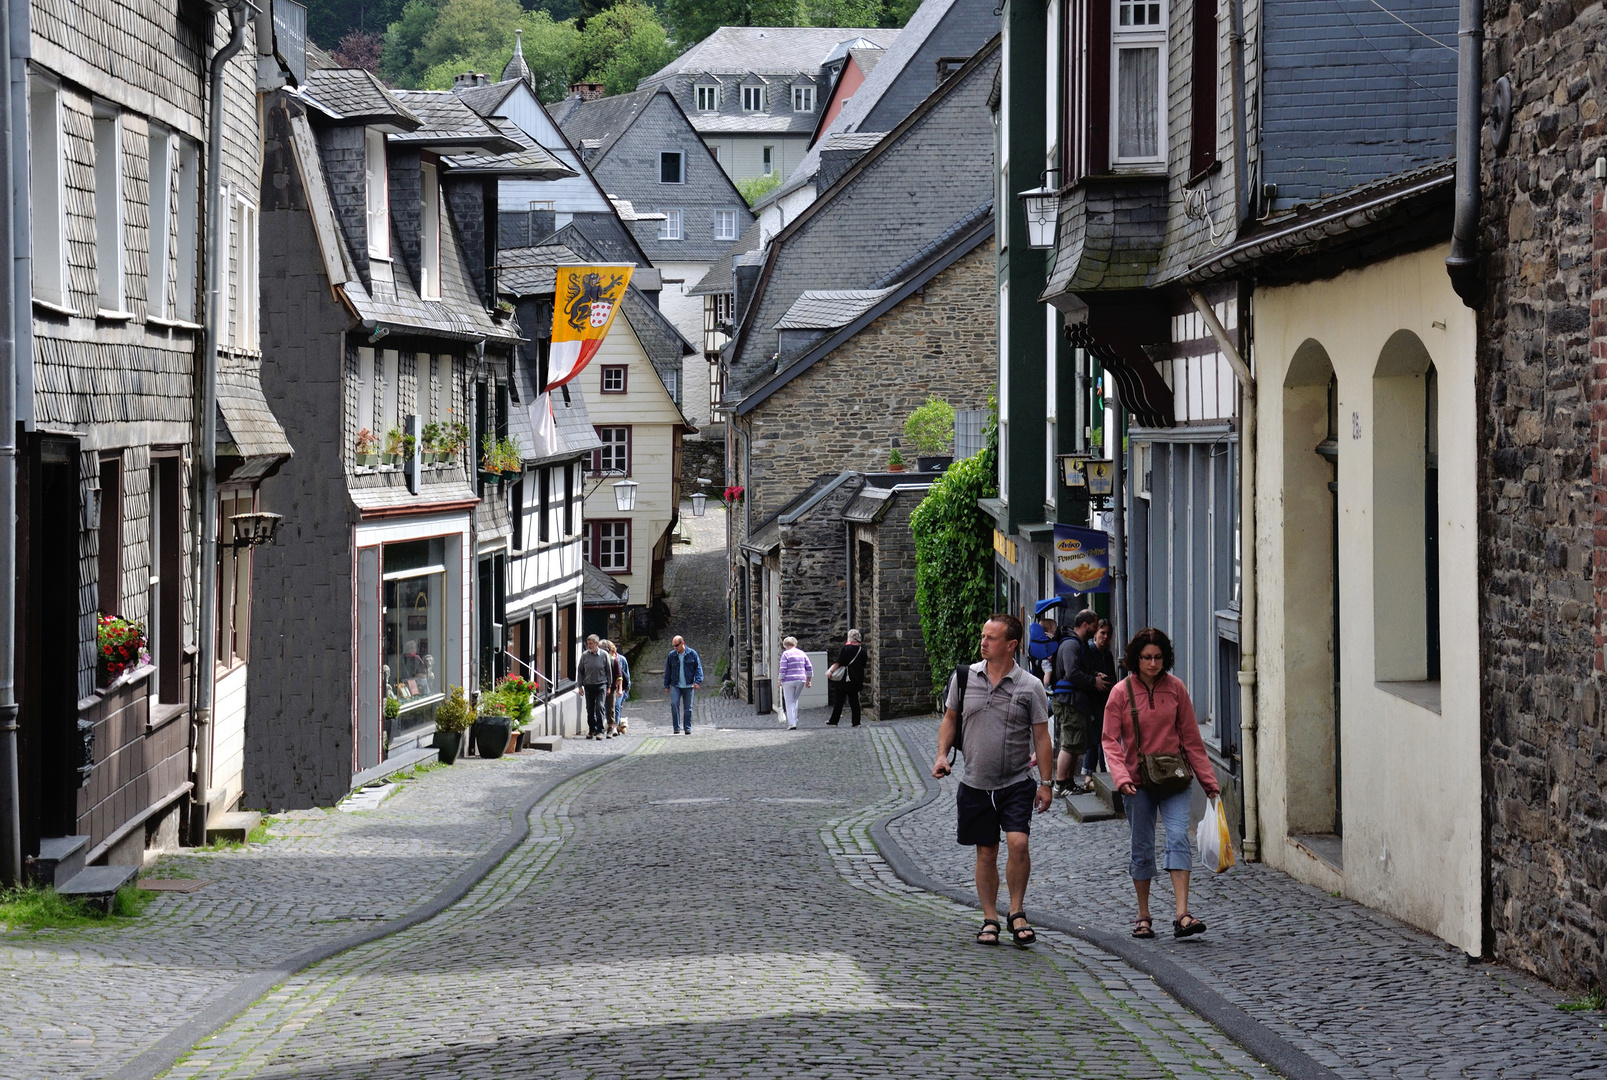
x: 672, y: 383
x: 378, y: 186
x: 189, y: 211
x: 225, y: 312
x: 725, y: 225
x: 47, y: 191
x: 680, y: 166
x: 110, y: 283
x: 430, y: 233
x: 753, y: 99
x: 390, y: 365
x: 160, y: 159
x: 767, y: 155
x: 670, y: 227
x: 708, y: 98
x: 803, y: 99
x: 365, y: 392
x: 623, y: 551
x: 612, y: 449
x: 1134, y: 38
x: 243, y: 272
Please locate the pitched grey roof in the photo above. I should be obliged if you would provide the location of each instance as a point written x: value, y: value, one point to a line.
x: 517, y: 68
x: 602, y: 239
x: 595, y: 126
x: 531, y: 162
x: 829, y: 309
x: 766, y: 50
x: 575, y: 432
x: 867, y: 224
x: 718, y: 279
x: 387, y: 498
x: 448, y: 124
x: 903, y: 75
x: 853, y: 140
x: 529, y: 271
x: 485, y: 100
x: 246, y: 421
x: 599, y: 589
x: 353, y: 94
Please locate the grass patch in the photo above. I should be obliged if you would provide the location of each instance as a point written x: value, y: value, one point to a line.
x: 1593, y: 1001
x: 46, y: 909
x: 259, y: 835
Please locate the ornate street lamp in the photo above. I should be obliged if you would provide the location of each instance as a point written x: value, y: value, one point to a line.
x: 1042, y: 205
x: 625, y: 495
x: 254, y: 530
x: 698, y: 501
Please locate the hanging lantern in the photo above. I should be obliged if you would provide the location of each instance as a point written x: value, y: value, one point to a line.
x: 1043, y: 210
x: 625, y: 495
x: 698, y: 501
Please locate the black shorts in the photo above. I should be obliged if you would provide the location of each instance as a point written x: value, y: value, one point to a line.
x: 984, y: 814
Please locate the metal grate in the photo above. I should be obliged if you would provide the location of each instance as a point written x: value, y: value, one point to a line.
x: 969, y: 425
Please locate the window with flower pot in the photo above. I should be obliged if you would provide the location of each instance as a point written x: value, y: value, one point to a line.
x: 110, y: 576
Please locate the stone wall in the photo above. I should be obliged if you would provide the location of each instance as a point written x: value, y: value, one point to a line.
x: 848, y: 410
x: 703, y: 455
x: 1543, y: 398
x: 814, y: 573
x: 899, y: 680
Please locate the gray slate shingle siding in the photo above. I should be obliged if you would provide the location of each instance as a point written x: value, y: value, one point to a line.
x: 344, y: 157
x: 907, y: 194
x: 1352, y: 96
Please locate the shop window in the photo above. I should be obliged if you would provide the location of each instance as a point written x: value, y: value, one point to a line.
x: 614, y: 457
x: 110, y: 579
x: 613, y: 378
x: 46, y: 191
x: 234, y: 580
x: 412, y: 652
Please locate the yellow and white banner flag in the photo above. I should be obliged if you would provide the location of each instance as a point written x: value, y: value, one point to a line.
x: 584, y: 304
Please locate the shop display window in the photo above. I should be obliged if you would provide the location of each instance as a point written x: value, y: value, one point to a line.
x: 414, y: 649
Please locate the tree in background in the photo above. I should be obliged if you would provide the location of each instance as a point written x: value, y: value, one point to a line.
x: 621, y: 46
x: 693, y: 20
x: 332, y: 20
x: 360, y: 49
x: 404, y: 38
x: 548, y: 49
x: 847, y: 13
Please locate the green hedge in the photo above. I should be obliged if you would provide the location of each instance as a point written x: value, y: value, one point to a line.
x: 954, y: 563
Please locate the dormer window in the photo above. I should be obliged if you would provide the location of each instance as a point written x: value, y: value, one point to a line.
x: 708, y: 98
x: 1138, y: 82
x: 753, y: 99
x: 379, y: 195
x: 430, y: 234
x: 803, y: 99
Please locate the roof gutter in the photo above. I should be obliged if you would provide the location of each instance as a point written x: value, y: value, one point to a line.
x: 1463, y: 262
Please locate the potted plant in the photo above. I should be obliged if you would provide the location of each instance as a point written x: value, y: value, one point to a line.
x: 120, y: 645
x: 489, y: 468
x: 393, y: 447
x: 492, y: 726
x: 409, y: 444
x: 519, y: 694
x: 454, y: 437
x: 509, y: 456
x: 930, y: 430
x: 452, y: 719
x: 895, y: 461
x: 432, y: 437
x: 367, y: 445
x: 393, y: 709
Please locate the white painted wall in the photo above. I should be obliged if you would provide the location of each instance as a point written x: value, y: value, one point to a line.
x: 1411, y: 780
x: 572, y: 195
x: 742, y: 156
x: 228, y: 736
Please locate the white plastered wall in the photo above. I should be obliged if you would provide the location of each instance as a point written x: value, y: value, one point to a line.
x: 1411, y: 780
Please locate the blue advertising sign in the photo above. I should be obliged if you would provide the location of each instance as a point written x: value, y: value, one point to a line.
x: 1082, y: 560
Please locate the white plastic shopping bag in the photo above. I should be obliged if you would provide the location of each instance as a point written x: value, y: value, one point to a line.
x: 1216, y: 843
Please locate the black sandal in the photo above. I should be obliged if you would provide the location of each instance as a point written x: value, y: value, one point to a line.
x: 985, y: 936
x: 1022, y: 935
x: 1144, y: 928
x: 1180, y: 929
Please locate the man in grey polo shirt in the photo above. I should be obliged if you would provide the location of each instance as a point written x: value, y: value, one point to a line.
x: 1002, y: 719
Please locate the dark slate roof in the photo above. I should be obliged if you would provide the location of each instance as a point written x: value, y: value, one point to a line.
x: 575, y: 431
x: 940, y: 245
x: 486, y: 100
x: 718, y: 279
x: 532, y: 271
x: 601, y: 238
x: 766, y: 50
x: 352, y: 94
x: 447, y: 124
x: 595, y: 126
x: 829, y: 309
x: 388, y: 498
x: 599, y: 589
x: 517, y: 69
x: 663, y: 343
x: 530, y: 162
x: 245, y: 420
x: 867, y: 225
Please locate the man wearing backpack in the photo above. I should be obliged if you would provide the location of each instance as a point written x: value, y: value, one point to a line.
x: 1078, y: 682
x: 996, y: 713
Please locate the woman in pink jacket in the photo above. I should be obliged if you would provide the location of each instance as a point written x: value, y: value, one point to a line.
x: 1166, y: 725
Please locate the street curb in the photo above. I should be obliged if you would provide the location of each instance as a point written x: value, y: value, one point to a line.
x: 1262, y: 1043
x: 156, y: 1060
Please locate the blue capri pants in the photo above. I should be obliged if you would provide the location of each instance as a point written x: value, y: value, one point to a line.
x: 1173, y: 810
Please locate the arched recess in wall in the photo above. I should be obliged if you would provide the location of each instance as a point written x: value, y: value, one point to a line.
x: 1311, y: 615
x: 1405, y: 507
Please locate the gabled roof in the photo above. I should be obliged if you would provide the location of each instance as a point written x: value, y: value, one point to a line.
x: 718, y: 279
x: 530, y: 271
x: 770, y: 50
x: 517, y: 68
x: 601, y: 239
x: 600, y: 589
x: 829, y: 309
x: 576, y: 435
x: 530, y: 162
x: 487, y: 99
x: 448, y: 126
x: 356, y: 96
x: 596, y: 125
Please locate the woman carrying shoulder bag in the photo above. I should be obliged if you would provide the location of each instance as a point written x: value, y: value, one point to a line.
x: 1153, y: 746
x: 847, y: 676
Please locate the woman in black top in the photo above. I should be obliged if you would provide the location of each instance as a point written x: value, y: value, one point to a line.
x: 850, y: 660
x: 1105, y: 663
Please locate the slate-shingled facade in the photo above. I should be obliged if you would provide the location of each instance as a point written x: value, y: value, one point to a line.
x: 379, y: 276
x: 116, y: 123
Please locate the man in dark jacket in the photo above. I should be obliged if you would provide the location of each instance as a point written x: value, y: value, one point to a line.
x: 683, y: 674
x: 1078, y: 683
x: 592, y: 673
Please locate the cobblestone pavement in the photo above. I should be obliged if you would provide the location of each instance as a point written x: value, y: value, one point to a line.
x: 712, y: 906
x: 694, y: 584
x: 81, y: 1003
x: 1357, y: 991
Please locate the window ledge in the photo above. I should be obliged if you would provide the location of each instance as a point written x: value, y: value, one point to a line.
x: 107, y: 315
x: 163, y: 714
x: 1424, y: 693
x: 170, y: 324
x: 55, y: 309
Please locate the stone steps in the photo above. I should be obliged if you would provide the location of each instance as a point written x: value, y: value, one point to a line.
x: 235, y: 826
x: 98, y: 885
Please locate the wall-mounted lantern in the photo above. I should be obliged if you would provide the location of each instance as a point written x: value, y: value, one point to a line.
x: 625, y: 495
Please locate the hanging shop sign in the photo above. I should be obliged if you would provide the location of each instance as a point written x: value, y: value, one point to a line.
x: 1082, y: 560
x: 1101, y: 477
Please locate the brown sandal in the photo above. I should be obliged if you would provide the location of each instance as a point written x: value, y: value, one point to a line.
x: 1144, y: 928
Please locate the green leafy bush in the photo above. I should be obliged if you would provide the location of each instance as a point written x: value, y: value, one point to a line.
x: 454, y: 713
x: 954, y: 562
x: 930, y: 428
x: 754, y: 188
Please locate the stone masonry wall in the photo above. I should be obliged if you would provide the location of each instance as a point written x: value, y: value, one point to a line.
x: 848, y: 410
x: 814, y: 573
x: 1543, y: 520
x: 901, y: 684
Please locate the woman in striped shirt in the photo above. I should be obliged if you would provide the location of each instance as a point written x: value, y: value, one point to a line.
x: 796, y: 673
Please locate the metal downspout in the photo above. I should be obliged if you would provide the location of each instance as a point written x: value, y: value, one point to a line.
x: 1463, y: 262
x: 11, y: 829
x: 1247, y: 600
x: 207, y: 456
x: 1118, y: 570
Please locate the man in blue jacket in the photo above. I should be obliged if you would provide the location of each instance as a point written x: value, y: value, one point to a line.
x: 683, y: 673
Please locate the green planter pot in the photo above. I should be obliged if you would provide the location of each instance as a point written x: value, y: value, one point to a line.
x: 491, y: 736
x: 367, y: 461
x: 449, y: 743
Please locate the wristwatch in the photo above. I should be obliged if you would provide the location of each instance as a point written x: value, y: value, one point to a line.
x: 1046, y: 783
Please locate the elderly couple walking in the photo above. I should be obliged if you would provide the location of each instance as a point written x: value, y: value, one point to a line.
x: 996, y: 713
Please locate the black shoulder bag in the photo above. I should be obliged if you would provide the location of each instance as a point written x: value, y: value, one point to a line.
x: 961, y: 671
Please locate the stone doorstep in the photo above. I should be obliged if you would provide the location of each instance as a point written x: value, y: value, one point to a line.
x: 98, y: 884
x: 59, y: 857
x: 1089, y: 807
x: 545, y: 742
x: 1105, y: 789
x: 394, y: 764
x: 234, y: 826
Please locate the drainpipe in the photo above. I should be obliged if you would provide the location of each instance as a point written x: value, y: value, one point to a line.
x: 10, y: 800
x: 206, y: 600
x: 1242, y: 196
x: 1247, y: 713
x: 1463, y: 262
x: 1118, y: 568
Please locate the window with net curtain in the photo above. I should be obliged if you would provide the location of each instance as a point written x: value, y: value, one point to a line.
x: 1138, y: 39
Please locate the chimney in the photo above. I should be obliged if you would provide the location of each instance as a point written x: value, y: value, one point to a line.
x: 464, y: 80
x: 588, y: 91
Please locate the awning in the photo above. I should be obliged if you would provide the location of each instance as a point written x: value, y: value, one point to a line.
x: 247, y: 428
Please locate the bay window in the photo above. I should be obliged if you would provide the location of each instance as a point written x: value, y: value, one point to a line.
x: 1138, y: 82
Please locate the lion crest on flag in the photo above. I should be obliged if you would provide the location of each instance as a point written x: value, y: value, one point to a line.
x: 589, y: 302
